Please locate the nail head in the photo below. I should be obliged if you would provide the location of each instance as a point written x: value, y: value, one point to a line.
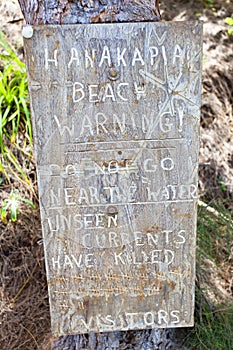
x: 27, y: 32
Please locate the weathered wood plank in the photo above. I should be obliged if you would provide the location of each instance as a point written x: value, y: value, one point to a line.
x: 116, y: 130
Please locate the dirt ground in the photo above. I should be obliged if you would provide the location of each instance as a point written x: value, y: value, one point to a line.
x: 24, y: 306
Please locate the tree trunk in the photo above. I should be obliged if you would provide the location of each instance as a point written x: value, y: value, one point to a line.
x: 89, y: 11
x: 38, y: 12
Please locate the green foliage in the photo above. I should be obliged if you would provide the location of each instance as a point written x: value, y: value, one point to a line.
x: 229, y: 21
x: 213, y: 328
x: 213, y: 323
x: 208, y: 4
x: 215, y: 231
x: 15, y: 123
x: 10, y: 206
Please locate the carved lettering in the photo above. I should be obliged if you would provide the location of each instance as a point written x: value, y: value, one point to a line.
x: 152, y: 257
x: 128, y: 319
x: 53, y: 60
x: 62, y: 262
x: 106, y: 56
x: 115, y: 112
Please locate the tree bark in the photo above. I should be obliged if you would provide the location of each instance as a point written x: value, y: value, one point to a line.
x: 37, y: 12
x: 88, y: 11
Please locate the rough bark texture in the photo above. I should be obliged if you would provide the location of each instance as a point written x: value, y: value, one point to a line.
x: 88, y: 11
x: 131, y: 340
x: 91, y: 11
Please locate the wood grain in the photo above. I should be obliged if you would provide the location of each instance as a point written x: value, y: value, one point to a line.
x: 116, y: 130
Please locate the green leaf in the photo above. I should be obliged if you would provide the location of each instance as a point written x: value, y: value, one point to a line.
x: 229, y: 21
x: 14, y: 113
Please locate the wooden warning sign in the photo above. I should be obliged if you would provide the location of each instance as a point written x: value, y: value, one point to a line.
x: 115, y: 109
